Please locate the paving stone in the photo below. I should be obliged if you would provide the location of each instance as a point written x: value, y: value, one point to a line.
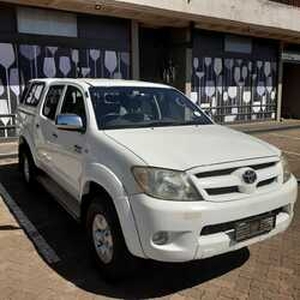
x: 272, y: 271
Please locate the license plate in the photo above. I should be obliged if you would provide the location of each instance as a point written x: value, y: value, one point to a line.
x: 252, y: 227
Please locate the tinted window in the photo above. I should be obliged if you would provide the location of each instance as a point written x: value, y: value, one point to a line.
x: 52, y: 100
x: 32, y: 94
x: 24, y: 93
x: 238, y: 44
x: 74, y: 103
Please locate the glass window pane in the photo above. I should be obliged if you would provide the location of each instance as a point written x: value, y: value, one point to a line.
x: 46, y: 22
x: 238, y: 44
x: 74, y: 103
x: 33, y: 97
x: 52, y: 100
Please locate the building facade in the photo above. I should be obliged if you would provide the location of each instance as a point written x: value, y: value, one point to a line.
x: 238, y: 60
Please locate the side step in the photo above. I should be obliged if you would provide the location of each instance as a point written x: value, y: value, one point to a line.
x: 67, y: 201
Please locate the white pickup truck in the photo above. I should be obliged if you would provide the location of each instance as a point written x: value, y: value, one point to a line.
x: 148, y: 173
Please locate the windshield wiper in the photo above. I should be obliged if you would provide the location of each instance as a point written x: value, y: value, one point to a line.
x: 160, y: 123
x: 176, y: 123
x: 141, y: 125
x: 195, y: 122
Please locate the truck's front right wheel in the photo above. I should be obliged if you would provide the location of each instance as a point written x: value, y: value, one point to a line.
x: 107, y: 242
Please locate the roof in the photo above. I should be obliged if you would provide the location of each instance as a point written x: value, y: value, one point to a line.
x: 103, y: 82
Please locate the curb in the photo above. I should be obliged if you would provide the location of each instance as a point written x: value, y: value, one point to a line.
x: 269, y: 129
x: 8, y: 155
x: 8, y: 140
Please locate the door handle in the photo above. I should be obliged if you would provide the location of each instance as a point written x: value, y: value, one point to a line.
x: 54, y: 135
x: 37, y: 125
x: 77, y: 148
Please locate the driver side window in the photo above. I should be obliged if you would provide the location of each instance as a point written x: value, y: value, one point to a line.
x: 52, y: 99
x: 73, y: 103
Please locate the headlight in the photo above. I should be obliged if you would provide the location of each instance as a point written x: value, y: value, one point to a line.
x: 285, y: 168
x: 165, y: 184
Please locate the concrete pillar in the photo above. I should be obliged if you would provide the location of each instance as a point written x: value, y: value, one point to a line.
x: 135, y: 51
x: 279, y: 88
x: 188, y: 71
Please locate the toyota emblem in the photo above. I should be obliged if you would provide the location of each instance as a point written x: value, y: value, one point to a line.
x: 250, y: 176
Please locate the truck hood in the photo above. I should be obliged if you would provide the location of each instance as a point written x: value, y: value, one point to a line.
x: 185, y: 147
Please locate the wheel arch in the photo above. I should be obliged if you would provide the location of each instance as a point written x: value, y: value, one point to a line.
x: 121, y: 205
x: 91, y: 189
x: 24, y: 144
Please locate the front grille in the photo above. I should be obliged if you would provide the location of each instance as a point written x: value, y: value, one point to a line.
x: 223, y: 227
x: 235, y: 189
x: 231, y: 170
x: 222, y: 190
x: 216, y: 173
x: 266, y: 182
x: 263, y: 166
x: 212, y: 229
x: 228, y: 183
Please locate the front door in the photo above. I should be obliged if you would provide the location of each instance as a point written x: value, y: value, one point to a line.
x: 69, y: 155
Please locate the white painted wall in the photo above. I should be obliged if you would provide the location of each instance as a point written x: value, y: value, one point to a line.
x: 259, y: 12
x: 283, y: 18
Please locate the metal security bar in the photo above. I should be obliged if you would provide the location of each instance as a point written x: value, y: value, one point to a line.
x: 244, y: 113
x: 8, y: 127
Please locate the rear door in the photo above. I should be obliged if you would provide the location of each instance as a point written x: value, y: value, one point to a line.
x: 27, y: 110
x: 46, y: 129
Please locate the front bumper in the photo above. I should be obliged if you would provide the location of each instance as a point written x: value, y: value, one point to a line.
x: 185, y: 221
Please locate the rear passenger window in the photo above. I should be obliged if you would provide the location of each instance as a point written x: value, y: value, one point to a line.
x: 51, y: 101
x: 33, y: 94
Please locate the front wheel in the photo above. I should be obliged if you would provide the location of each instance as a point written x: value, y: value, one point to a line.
x: 27, y: 166
x: 107, y: 242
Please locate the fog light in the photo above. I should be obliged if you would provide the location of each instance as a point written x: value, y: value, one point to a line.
x: 160, y: 238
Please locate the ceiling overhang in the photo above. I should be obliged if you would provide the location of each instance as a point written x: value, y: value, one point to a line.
x: 158, y: 17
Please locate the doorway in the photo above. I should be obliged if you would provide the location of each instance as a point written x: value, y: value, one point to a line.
x: 162, y: 56
x: 153, y: 53
x: 291, y: 91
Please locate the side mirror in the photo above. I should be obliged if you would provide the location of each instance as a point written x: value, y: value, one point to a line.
x: 70, y: 122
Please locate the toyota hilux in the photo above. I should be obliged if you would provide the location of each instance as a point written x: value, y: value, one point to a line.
x: 148, y: 173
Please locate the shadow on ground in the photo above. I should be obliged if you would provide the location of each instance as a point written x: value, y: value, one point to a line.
x: 67, y: 239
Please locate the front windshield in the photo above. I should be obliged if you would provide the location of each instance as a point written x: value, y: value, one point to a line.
x: 135, y: 107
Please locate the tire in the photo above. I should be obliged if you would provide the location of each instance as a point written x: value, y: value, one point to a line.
x: 27, y: 166
x: 107, y: 243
